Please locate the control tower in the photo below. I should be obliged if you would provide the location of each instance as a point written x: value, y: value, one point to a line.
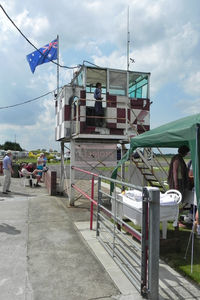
x: 126, y: 108
x: 126, y: 103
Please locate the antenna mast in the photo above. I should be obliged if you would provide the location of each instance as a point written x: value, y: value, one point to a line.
x: 128, y: 40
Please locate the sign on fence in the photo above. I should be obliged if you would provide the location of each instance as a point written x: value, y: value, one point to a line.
x: 96, y: 154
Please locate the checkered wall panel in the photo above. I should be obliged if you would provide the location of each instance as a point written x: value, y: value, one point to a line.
x: 119, y: 112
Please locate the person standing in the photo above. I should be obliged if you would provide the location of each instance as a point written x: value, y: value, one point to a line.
x: 44, y: 160
x: 7, y: 171
x: 99, y: 111
x: 40, y: 162
x: 178, y: 172
x: 194, y: 205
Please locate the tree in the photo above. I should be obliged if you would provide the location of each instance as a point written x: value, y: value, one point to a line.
x: 12, y: 146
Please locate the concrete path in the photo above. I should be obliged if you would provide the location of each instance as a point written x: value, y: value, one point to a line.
x: 49, y: 253
x: 172, y: 286
x: 43, y: 256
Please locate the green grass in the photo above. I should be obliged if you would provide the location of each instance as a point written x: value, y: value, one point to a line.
x: 33, y: 160
x: 175, y: 256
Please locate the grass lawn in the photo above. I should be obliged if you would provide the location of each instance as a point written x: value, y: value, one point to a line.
x: 33, y: 160
x: 175, y: 252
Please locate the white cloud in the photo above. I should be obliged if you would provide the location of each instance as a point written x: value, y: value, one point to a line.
x: 165, y: 38
x: 191, y: 84
x: 115, y: 60
x: 35, y: 26
x: 189, y: 107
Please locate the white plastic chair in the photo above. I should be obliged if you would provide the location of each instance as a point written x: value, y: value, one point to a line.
x: 24, y: 180
x: 177, y: 197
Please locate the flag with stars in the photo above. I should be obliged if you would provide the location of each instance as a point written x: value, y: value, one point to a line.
x: 43, y: 55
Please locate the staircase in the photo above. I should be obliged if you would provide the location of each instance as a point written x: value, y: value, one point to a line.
x: 151, y: 169
x: 149, y: 165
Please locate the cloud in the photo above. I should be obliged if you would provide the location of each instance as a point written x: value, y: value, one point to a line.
x: 191, y: 84
x: 36, y: 26
x: 165, y: 38
x: 189, y: 107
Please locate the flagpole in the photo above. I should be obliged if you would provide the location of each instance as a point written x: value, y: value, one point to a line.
x: 57, y: 65
x: 62, y: 144
x: 128, y: 39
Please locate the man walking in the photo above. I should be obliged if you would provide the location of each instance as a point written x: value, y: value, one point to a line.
x: 7, y: 171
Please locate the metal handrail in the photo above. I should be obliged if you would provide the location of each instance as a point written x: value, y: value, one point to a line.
x: 91, y: 198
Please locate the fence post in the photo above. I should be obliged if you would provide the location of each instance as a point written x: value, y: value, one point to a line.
x: 154, y: 243
x: 72, y: 174
x: 144, y: 242
x: 91, y: 203
x: 62, y: 166
x: 98, y: 205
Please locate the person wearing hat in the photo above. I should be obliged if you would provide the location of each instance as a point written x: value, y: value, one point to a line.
x: 7, y: 171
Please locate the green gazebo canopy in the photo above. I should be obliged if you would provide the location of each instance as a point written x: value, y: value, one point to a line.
x: 184, y: 131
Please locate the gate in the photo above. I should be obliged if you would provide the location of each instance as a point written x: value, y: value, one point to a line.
x: 136, y: 252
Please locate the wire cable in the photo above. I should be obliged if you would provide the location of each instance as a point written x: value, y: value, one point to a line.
x: 32, y: 43
x: 28, y: 101
x: 86, y: 61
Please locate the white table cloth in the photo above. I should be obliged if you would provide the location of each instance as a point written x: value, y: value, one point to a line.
x: 129, y: 205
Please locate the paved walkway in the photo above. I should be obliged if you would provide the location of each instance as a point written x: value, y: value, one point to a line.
x: 49, y: 253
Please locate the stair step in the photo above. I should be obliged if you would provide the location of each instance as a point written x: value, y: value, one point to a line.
x: 151, y: 177
x: 142, y: 167
x: 154, y: 183
x: 148, y: 174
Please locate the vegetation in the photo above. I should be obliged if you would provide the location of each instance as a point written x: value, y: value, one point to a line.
x: 33, y: 159
x: 11, y: 146
x: 176, y: 256
x: 49, y: 156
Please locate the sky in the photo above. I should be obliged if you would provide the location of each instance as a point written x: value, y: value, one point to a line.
x: 164, y: 40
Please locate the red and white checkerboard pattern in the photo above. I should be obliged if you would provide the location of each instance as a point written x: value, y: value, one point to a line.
x: 119, y: 111
x: 63, y: 112
x: 135, y: 111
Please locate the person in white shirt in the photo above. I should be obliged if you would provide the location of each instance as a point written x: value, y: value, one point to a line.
x: 7, y: 171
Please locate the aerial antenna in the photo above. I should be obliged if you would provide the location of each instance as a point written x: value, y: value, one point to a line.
x: 128, y: 40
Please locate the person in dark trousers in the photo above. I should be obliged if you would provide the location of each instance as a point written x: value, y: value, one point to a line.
x: 99, y: 111
x: 178, y: 173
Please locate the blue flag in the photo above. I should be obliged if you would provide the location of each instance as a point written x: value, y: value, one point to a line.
x: 43, y: 55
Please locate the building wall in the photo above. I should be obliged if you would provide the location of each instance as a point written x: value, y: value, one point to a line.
x: 124, y: 116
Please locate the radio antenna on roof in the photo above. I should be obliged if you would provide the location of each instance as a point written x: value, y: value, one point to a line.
x: 128, y: 40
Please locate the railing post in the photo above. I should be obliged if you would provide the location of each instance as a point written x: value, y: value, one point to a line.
x: 144, y: 242
x: 77, y: 116
x: 98, y: 205
x: 154, y: 243
x: 72, y: 173
x: 91, y: 203
x: 114, y: 223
